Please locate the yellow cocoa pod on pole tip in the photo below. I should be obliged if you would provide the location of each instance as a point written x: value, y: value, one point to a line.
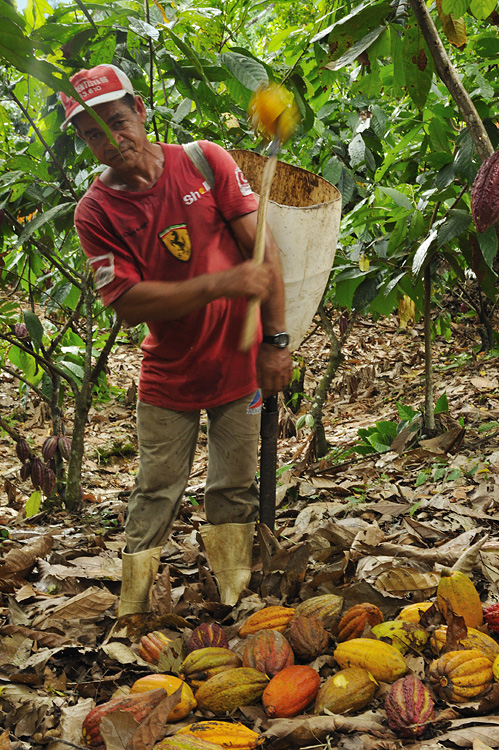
x: 273, y: 112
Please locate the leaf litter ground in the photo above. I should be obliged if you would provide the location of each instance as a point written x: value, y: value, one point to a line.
x: 373, y: 528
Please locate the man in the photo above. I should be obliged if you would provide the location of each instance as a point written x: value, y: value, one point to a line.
x: 166, y: 249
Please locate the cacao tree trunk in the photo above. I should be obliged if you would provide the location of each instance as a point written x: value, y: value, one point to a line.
x: 429, y: 414
x: 335, y: 359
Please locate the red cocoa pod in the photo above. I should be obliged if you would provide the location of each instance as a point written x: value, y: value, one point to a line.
x: 23, y: 451
x: 308, y: 637
x: 268, y: 651
x: 21, y: 331
x: 409, y: 707
x: 491, y: 617
x: 37, y: 473
x: 49, y: 482
x: 25, y: 470
x: 207, y: 634
x: 139, y: 705
x: 355, y: 619
x: 64, y: 446
x: 485, y: 194
x: 49, y: 448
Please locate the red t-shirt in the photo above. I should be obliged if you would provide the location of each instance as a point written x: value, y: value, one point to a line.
x: 175, y: 231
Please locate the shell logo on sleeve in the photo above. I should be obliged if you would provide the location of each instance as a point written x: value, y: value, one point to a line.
x: 243, y: 183
x: 177, y: 241
x: 103, y: 269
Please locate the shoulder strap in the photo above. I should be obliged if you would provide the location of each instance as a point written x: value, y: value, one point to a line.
x: 197, y: 157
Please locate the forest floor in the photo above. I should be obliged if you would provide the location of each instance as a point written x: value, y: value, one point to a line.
x: 374, y: 528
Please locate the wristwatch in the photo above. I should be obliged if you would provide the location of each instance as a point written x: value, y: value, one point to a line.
x: 280, y: 340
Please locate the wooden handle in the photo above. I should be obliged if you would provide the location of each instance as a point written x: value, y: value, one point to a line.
x: 250, y: 325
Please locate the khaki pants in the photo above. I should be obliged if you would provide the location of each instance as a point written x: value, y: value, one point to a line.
x: 167, y: 442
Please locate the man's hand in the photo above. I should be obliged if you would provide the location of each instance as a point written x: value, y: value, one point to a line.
x: 247, y: 279
x: 273, y: 368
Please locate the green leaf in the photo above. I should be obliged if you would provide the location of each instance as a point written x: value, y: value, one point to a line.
x: 482, y: 9
x: 418, y: 65
x: 397, y: 197
x: 378, y: 444
x: 332, y: 170
x: 34, y: 326
x: 455, y: 224
x: 422, y: 253
x: 144, y: 29
x: 246, y: 70
x: 33, y: 505
x: 397, y: 235
x: 442, y: 404
x: 357, y: 151
x: 360, y: 46
x: 364, y: 294
x: 378, y: 120
x: 488, y: 245
x: 189, y: 53
x: 406, y: 412
x: 41, y: 219
x: 456, y: 8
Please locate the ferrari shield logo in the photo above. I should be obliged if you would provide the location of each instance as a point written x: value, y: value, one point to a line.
x: 176, y: 239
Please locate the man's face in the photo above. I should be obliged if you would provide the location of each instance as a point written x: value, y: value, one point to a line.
x: 127, y: 128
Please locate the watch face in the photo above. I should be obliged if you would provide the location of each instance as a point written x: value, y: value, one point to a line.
x: 281, y: 340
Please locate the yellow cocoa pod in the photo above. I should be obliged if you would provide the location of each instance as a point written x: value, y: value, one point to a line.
x: 273, y: 111
x: 457, y: 592
x: 350, y: 689
x: 461, y: 676
x: 412, y: 612
x: 170, y: 683
x: 224, y: 734
x: 384, y: 662
x: 474, y: 639
x: 231, y: 689
x: 495, y: 669
x: 401, y: 634
x: 326, y: 607
x: 204, y: 663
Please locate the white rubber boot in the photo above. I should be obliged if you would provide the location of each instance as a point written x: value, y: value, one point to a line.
x: 229, y: 549
x: 138, y: 573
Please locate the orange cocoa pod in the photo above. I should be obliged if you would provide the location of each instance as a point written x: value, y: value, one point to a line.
x: 275, y: 618
x: 152, y: 644
x: 290, y: 691
x: 354, y: 620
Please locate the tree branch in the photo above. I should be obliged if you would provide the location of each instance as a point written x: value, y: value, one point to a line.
x: 450, y: 78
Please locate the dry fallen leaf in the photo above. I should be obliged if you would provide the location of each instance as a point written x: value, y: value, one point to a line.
x: 117, y: 730
x: 152, y: 729
x: 90, y: 603
x: 18, y: 562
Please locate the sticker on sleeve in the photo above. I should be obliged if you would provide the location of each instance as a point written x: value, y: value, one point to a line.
x: 243, y: 183
x: 255, y: 406
x: 177, y: 240
x: 103, y: 269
